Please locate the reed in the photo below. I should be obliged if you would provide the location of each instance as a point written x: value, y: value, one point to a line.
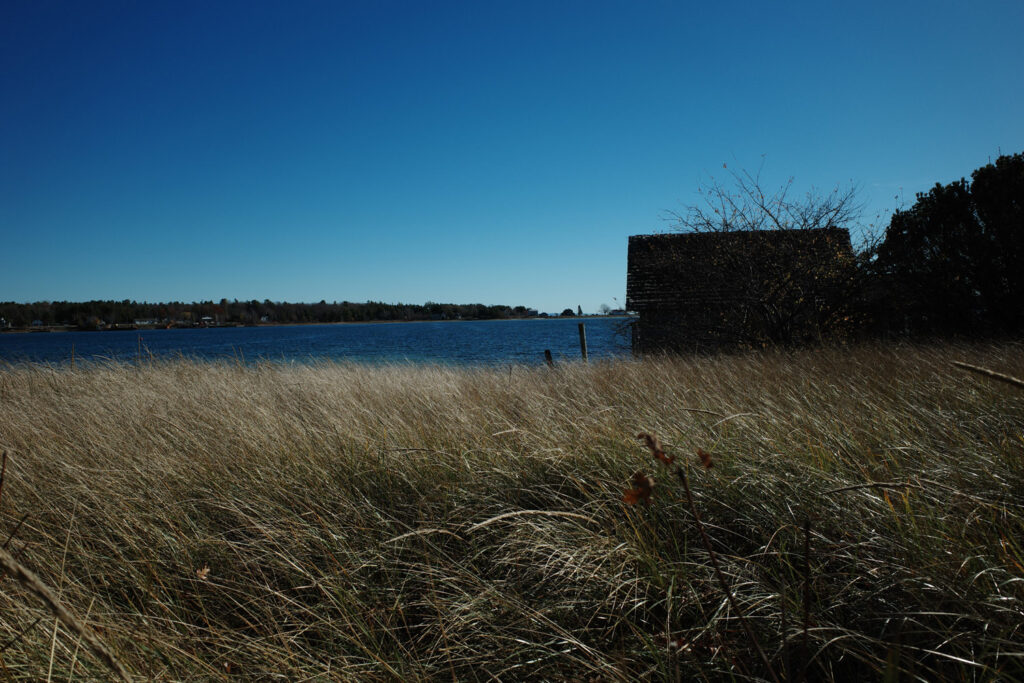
x: 343, y: 522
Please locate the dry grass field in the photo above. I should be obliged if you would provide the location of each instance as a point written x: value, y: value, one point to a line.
x: 341, y: 522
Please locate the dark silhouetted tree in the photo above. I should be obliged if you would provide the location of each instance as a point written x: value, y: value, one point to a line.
x: 954, y: 261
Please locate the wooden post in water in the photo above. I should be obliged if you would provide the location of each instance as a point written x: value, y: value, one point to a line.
x: 583, y: 342
x: 547, y: 357
x: 72, y: 356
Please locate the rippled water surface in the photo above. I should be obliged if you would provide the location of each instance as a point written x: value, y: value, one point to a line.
x: 458, y: 342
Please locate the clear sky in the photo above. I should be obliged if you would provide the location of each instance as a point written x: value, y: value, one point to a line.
x: 483, y: 151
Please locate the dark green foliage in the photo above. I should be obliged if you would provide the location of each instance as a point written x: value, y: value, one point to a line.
x: 998, y: 193
x: 954, y: 262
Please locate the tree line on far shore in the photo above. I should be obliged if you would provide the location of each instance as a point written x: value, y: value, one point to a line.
x: 93, y: 315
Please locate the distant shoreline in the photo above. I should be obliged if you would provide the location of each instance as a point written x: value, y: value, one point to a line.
x: 151, y: 328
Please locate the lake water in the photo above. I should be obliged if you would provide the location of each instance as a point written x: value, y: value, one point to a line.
x: 484, y: 342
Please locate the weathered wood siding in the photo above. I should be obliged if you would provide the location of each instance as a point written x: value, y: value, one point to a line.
x: 695, y: 290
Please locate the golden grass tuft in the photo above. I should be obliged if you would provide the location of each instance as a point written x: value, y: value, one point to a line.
x: 345, y: 522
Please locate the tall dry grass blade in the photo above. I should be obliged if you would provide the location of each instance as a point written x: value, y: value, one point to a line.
x: 876, y: 485
x: 60, y: 591
x: 422, y: 532
x: 783, y: 628
x: 1009, y: 379
x: 78, y: 645
x: 805, y: 643
x: 520, y: 513
x: 3, y: 473
x: 29, y: 580
x: 706, y: 541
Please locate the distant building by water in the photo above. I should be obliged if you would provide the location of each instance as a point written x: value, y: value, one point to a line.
x: 706, y: 291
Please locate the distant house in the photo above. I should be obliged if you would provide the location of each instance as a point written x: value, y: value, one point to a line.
x: 706, y: 291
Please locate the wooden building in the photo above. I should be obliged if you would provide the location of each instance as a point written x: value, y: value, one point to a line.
x: 707, y: 291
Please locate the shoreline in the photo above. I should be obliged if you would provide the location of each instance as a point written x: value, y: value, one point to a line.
x: 65, y: 328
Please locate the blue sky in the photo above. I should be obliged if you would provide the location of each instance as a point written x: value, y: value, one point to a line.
x: 493, y: 152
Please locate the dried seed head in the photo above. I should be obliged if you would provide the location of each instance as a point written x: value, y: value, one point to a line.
x: 642, y: 489
x: 705, y: 457
x: 656, y: 450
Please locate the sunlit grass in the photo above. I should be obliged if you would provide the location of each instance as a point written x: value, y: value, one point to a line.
x: 412, y: 522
